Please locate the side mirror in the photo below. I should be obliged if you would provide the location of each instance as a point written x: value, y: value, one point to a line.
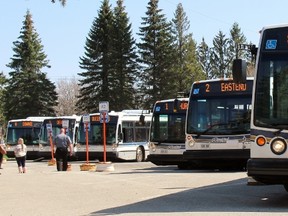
x: 239, y: 71
x: 142, y: 119
x: 120, y: 137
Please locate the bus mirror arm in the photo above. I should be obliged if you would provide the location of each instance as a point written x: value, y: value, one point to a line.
x: 239, y: 70
x: 120, y: 137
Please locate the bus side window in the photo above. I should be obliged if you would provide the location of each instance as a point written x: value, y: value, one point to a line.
x: 128, y: 134
x: 120, y: 134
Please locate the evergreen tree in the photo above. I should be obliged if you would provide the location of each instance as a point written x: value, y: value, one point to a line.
x: 29, y: 92
x: 63, y: 2
x: 96, y: 63
x: 3, y: 81
x: 220, y: 56
x: 124, y: 61
x: 186, y: 66
x: 204, y: 56
x: 156, y: 56
x: 237, y: 37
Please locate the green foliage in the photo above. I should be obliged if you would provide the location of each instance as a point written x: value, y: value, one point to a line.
x: 124, y: 61
x: 109, y: 65
x: 155, y: 56
x: 63, y: 2
x: 28, y: 91
x: 187, y: 68
x: 96, y: 63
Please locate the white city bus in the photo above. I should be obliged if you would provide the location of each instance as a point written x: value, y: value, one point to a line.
x: 126, y: 136
x: 269, y: 120
x: 70, y: 123
x: 28, y: 129
x: 218, y: 123
x: 167, y: 133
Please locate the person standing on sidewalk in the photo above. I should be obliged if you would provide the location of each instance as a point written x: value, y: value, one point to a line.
x: 62, y: 142
x: 20, y: 152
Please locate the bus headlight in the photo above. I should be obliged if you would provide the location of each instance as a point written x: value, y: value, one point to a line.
x: 41, y: 146
x: 152, y: 147
x: 114, y: 146
x: 190, y: 141
x: 278, y: 146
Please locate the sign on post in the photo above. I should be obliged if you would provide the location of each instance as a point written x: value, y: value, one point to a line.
x: 86, y: 118
x: 65, y: 123
x: 106, y: 120
x: 103, y: 106
x: 49, y: 128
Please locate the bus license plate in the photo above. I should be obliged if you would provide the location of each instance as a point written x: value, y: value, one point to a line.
x: 164, y: 151
x: 205, y: 146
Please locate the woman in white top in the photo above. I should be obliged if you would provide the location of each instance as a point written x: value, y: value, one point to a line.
x: 20, y: 155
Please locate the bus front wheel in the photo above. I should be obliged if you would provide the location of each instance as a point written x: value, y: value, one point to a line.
x: 139, y: 154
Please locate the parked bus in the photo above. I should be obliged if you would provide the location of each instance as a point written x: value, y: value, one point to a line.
x: 54, y: 124
x: 28, y: 129
x: 167, y: 133
x: 126, y: 136
x: 218, y: 123
x: 269, y: 120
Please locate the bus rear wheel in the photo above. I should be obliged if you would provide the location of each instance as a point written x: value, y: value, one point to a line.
x: 139, y: 154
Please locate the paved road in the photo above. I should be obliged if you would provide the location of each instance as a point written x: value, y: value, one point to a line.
x: 134, y: 189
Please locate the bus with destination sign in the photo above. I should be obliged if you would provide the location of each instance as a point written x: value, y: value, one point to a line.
x: 269, y: 120
x: 167, y: 133
x: 52, y: 126
x: 218, y: 123
x: 29, y: 130
x: 126, y: 136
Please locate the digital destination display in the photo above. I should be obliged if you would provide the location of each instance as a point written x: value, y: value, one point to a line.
x: 96, y: 118
x: 222, y: 87
x: 171, y: 106
x: 25, y: 124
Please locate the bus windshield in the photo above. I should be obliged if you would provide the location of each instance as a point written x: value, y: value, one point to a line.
x: 30, y: 135
x: 271, y: 101
x: 219, y: 116
x: 168, y: 128
x: 56, y: 127
x: 95, y: 135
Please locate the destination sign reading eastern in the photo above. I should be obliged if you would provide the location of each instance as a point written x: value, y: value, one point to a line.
x: 25, y: 124
x: 222, y: 87
x: 275, y: 39
x: 171, y: 106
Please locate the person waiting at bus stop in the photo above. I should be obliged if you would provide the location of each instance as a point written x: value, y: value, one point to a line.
x: 62, y: 142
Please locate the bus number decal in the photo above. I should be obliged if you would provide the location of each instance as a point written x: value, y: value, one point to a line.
x: 207, y: 88
x: 166, y: 106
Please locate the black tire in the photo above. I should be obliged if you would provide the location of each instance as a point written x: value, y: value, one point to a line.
x: 286, y: 187
x: 140, y: 156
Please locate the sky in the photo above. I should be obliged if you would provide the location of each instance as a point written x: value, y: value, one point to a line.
x: 63, y: 30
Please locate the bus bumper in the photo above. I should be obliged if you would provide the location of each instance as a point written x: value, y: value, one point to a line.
x: 233, y: 154
x: 268, y: 171
x: 171, y: 159
x: 215, y: 159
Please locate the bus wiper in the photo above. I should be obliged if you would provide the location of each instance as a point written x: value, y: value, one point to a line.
x: 280, y: 127
x: 210, y: 128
